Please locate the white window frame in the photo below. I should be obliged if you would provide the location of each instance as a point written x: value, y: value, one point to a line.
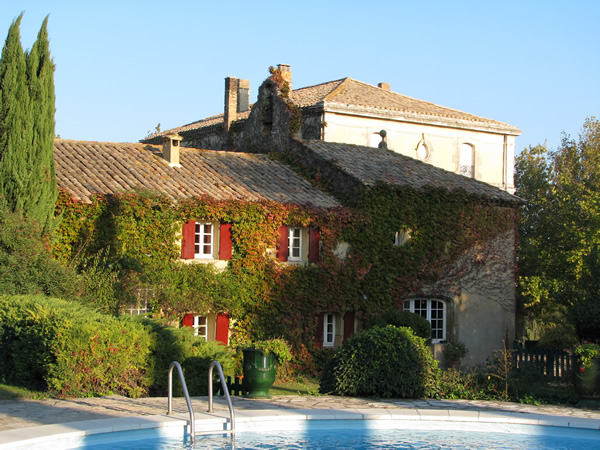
x: 200, y: 235
x: 295, y: 243
x: 328, y: 330
x: 429, y: 308
x: 200, y: 327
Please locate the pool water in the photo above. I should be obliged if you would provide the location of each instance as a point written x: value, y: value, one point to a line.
x: 356, y: 435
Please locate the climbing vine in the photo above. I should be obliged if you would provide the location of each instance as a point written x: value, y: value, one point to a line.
x: 264, y: 297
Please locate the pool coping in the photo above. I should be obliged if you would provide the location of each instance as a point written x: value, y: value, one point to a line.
x: 252, y: 418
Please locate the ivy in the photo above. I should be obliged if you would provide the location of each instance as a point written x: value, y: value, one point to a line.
x: 267, y: 299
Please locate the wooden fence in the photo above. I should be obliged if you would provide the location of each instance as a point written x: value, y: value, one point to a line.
x: 552, y: 365
x: 235, y: 386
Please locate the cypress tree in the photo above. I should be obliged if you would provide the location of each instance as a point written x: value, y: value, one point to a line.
x: 42, y: 191
x: 27, y: 106
x: 15, y: 122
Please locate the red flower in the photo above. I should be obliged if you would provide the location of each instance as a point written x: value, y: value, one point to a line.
x: 582, y: 369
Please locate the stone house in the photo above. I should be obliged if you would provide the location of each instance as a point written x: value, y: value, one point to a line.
x: 472, y: 299
x: 352, y: 112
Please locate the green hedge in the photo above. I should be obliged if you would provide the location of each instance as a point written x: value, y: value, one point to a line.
x: 420, y: 325
x: 71, y: 350
x: 382, y: 362
x: 192, y: 352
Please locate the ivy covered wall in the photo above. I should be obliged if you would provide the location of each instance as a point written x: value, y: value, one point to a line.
x: 140, y: 232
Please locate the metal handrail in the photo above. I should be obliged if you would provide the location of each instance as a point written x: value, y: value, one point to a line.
x: 225, y: 390
x: 185, y: 393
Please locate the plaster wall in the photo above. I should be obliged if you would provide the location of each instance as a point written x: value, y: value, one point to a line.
x: 493, y: 152
x: 479, y: 290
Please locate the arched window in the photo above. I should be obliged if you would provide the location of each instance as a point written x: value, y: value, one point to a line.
x: 434, y: 310
x: 467, y: 158
x: 423, y: 151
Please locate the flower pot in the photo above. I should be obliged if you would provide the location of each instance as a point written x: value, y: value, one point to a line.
x: 587, y: 380
x: 259, y: 372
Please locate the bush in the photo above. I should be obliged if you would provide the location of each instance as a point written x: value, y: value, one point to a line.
x: 383, y: 362
x: 415, y: 322
x: 71, y: 350
x: 26, y: 265
x: 192, y: 352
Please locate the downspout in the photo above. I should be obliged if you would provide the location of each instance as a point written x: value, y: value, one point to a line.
x: 505, y: 163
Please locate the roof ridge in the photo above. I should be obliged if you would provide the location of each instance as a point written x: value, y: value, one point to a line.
x: 465, y: 113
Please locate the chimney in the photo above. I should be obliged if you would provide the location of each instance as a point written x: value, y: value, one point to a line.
x: 237, y: 99
x: 171, y: 149
x: 384, y: 86
x: 286, y: 73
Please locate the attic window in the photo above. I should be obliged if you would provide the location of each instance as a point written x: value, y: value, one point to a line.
x: 467, y: 155
x: 423, y: 152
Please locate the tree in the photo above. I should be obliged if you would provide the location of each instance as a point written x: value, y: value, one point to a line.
x: 40, y: 75
x: 27, y: 174
x: 560, y: 226
x: 14, y: 121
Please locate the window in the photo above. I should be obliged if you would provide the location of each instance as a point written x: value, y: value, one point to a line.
x: 206, y: 240
x: 435, y: 313
x: 298, y: 244
x: 294, y: 244
x: 401, y: 238
x: 328, y: 330
x: 466, y: 160
x: 423, y: 151
x: 200, y: 327
x: 203, y: 240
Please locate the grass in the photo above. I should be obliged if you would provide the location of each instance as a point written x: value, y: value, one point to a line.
x: 299, y: 387
x: 16, y: 393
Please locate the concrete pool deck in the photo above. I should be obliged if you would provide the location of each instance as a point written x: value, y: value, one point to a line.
x: 31, y: 419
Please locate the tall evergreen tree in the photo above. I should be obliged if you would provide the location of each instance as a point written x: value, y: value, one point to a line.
x: 15, y: 122
x: 27, y: 174
x: 40, y: 75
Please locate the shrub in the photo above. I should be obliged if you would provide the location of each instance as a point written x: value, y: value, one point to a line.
x: 26, y: 265
x: 192, y: 352
x: 415, y: 322
x: 71, y: 350
x: 384, y: 362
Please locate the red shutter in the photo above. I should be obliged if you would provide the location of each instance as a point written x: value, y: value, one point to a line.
x: 313, y: 244
x: 222, y: 334
x: 348, y: 326
x: 187, y: 240
x: 188, y: 320
x: 225, y: 241
x: 319, y: 332
x: 282, y: 251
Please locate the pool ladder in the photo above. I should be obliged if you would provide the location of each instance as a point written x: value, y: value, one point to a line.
x: 210, y: 396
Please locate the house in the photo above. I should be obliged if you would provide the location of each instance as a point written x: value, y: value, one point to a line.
x: 464, y: 286
x: 85, y: 169
x: 352, y: 112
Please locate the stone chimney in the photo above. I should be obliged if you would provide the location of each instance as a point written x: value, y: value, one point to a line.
x: 171, y: 149
x: 286, y: 73
x: 384, y: 86
x: 237, y: 99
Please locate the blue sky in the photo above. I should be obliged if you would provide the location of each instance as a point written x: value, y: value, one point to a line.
x: 124, y: 66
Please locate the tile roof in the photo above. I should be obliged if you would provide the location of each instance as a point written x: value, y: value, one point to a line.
x: 87, y: 168
x: 356, y: 93
x: 371, y: 165
x: 352, y: 93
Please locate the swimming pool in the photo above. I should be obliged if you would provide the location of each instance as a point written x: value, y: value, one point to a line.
x: 347, y: 434
x: 288, y: 433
